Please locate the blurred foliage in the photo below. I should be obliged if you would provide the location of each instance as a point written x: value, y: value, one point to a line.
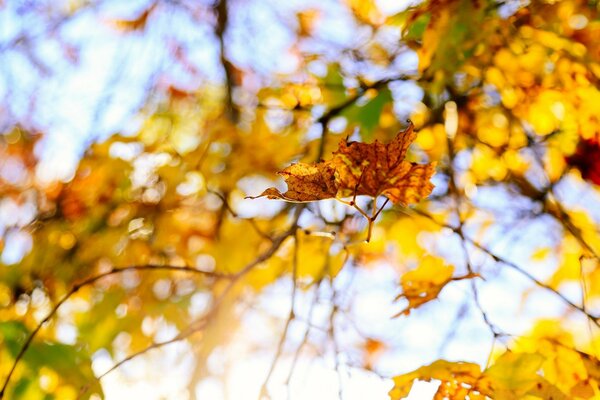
x: 505, y: 100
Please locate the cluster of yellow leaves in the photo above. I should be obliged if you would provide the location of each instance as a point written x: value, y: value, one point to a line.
x: 513, y: 376
x: 543, y: 365
x: 547, y: 76
x: 360, y: 169
x: 574, y: 372
x: 457, y: 379
x: 533, y: 73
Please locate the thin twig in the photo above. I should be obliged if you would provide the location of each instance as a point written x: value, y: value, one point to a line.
x: 584, y: 297
x: 157, y: 345
x: 336, y: 350
x: 304, y: 339
x: 512, y: 265
x: 251, y: 221
x: 199, y: 324
x: 453, y: 187
x: 263, y: 389
x: 561, y: 215
x: 222, y: 12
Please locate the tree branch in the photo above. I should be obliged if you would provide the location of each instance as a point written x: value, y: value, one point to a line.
x: 222, y: 12
x: 512, y: 265
x: 90, y: 281
x: 324, y: 119
x: 198, y: 324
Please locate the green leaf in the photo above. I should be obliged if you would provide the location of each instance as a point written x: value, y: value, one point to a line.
x: 72, y: 363
x: 12, y: 336
x: 334, y: 90
x: 21, y: 388
x: 415, y: 30
x: 367, y: 115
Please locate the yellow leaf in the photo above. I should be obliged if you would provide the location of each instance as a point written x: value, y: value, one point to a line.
x: 423, y: 284
x: 514, y: 374
x: 432, y: 37
x: 452, y: 374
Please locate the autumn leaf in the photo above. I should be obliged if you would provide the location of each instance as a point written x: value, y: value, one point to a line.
x: 380, y: 169
x: 516, y: 375
x: 425, y: 283
x: 456, y: 378
x: 360, y: 169
x: 513, y: 376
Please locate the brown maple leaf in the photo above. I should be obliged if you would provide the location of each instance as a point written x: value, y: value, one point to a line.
x: 380, y: 169
x: 356, y: 169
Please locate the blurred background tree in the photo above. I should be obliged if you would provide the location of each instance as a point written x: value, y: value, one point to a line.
x: 132, y: 266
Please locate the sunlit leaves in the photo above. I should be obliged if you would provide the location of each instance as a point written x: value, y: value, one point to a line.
x: 512, y: 376
x: 458, y: 379
x: 572, y: 371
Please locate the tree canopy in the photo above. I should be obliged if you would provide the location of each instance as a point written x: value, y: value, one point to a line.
x: 309, y: 199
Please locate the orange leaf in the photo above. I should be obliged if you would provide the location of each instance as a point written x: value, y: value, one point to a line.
x: 360, y: 169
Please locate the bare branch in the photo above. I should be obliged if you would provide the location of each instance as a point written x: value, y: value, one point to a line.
x: 251, y: 221
x: 222, y: 18
x: 516, y: 267
x: 233, y: 279
x: 263, y: 389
